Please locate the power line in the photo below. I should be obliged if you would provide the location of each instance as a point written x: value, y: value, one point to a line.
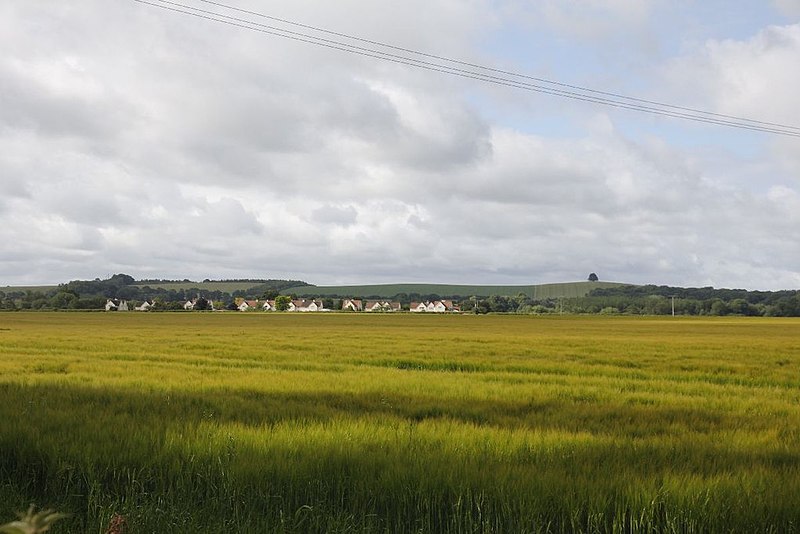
x: 619, y: 101
x: 490, y: 69
x: 281, y: 32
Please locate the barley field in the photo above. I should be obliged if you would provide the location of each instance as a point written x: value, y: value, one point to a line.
x: 227, y: 422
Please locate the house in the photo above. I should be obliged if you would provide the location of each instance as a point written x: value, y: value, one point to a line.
x: 246, y: 305
x: 116, y: 305
x: 381, y: 306
x: 352, y: 305
x: 269, y: 305
x: 304, y: 305
x: 145, y: 306
x: 314, y: 305
x: 418, y: 307
x: 191, y: 304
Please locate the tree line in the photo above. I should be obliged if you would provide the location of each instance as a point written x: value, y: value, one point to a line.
x: 650, y: 300
x: 630, y: 300
x: 93, y: 294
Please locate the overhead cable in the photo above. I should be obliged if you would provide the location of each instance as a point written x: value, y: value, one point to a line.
x: 454, y: 68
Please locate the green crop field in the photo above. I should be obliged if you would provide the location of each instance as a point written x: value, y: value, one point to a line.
x: 225, y: 422
x: 540, y: 291
x: 225, y: 287
x: 15, y: 289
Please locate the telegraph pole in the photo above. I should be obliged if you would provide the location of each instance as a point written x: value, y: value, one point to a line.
x: 673, y: 305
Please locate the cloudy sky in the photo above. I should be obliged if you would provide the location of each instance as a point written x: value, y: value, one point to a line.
x: 143, y: 141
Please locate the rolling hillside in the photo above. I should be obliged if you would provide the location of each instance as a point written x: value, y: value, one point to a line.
x: 225, y: 287
x: 541, y: 291
x: 16, y: 289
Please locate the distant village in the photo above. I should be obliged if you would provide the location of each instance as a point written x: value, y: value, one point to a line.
x: 123, y: 293
x: 297, y: 305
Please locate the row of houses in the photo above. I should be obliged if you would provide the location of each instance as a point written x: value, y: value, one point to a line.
x: 371, y: 305
x: 434, y: 306
x: 429, y: 306
x: 308, y: 305
x: 303, y: 305
x: 299, y: 305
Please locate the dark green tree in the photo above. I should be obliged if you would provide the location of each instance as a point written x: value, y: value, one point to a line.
x: 282, y: 302
x: 269, y: 294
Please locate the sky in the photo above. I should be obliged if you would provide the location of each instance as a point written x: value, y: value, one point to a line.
x: 142, y: 141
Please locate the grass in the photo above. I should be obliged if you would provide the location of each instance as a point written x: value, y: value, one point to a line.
x: 540, y: 291
x: 401, y: 423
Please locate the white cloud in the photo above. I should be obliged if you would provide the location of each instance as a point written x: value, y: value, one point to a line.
x: 754, y: 78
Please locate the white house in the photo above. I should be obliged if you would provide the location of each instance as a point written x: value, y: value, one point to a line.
x: 418, y: 307
x: 116, y: 305
x: 269, y: 305
x: 189, y: 305
x: 304, y: 305
x: 144, y: 306
x: 352, y: 305
x: 248, y: 305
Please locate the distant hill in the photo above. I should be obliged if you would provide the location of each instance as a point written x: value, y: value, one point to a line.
x: 540, y: 291
x: 12, y: 289
x: 225, y: 286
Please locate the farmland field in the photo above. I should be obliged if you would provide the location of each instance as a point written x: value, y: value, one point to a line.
x: 226, y: 422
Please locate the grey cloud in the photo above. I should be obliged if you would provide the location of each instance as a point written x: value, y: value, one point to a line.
x: 25, y: 107
x: 11, y: 183
x: 343, y: 216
